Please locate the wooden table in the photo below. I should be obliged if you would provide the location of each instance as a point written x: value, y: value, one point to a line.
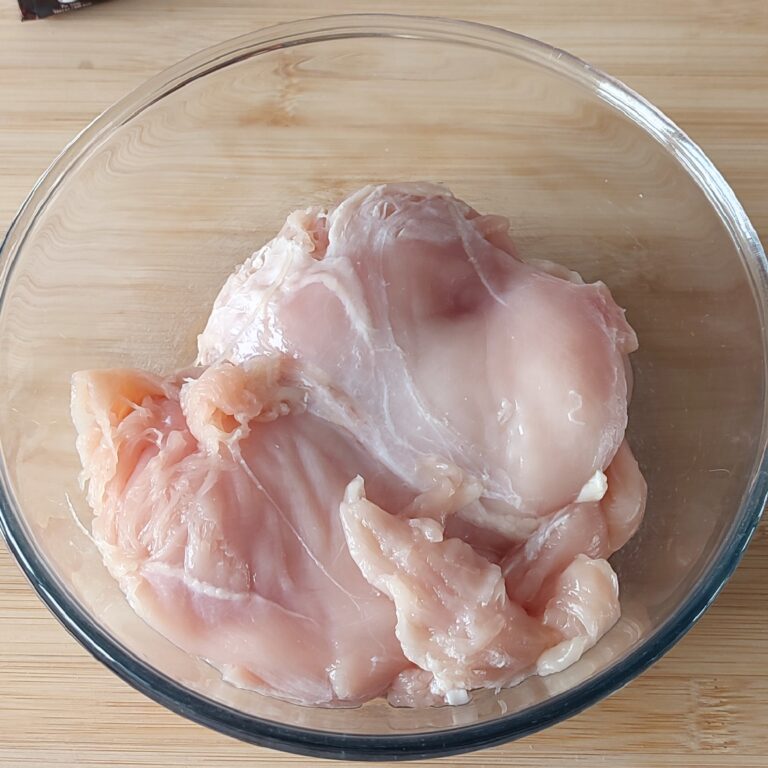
x: 704, y: 62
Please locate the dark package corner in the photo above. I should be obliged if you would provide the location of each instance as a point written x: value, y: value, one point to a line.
x: 39, y: 9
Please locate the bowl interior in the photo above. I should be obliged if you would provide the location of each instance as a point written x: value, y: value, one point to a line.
x: 116, y: 263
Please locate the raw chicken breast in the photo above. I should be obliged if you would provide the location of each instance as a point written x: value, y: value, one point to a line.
x: 222, y: 526
x: 454, y: 619
x: 596, y: 529
x: 583, y: 607
x: 397, y: 469
x: 418, y: 329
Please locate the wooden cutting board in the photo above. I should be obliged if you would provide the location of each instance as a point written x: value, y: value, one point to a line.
x: 705, y: 63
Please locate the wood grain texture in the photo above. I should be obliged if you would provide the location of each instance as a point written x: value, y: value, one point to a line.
x: 705, y: 63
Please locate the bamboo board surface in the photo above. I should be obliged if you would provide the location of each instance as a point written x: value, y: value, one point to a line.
x: 705, y: 63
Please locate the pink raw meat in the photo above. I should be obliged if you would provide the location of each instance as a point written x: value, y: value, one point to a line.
x: 454, y: 618
x: 418, y: 329
x: 398, y: 468
x: 596, y: 529
x: 234, y: 549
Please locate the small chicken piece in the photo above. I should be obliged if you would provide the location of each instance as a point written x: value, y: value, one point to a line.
x: 624, y: 502
x: 583, y: 607
x: 454, y: 620
x: 216, y: 502
x: 596, y: 529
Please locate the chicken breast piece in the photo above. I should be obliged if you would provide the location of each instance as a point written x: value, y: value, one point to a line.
x: 583, y: 607
x: 216, y: 502
x: 454, y: 619
x: 595, y: 529
x: 417, y: 328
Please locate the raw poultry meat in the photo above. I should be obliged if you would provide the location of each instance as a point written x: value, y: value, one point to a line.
x: 217, y: 546
x: 454, y: 619
x: 418, y: 329
x: 397, y: 468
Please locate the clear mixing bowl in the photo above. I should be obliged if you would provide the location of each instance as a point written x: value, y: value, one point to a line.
x: 116, y: 255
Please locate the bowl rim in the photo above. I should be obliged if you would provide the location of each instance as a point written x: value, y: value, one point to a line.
x: 409, y: 746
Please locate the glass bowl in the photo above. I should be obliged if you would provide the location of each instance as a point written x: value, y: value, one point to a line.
x: 115, y: 258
